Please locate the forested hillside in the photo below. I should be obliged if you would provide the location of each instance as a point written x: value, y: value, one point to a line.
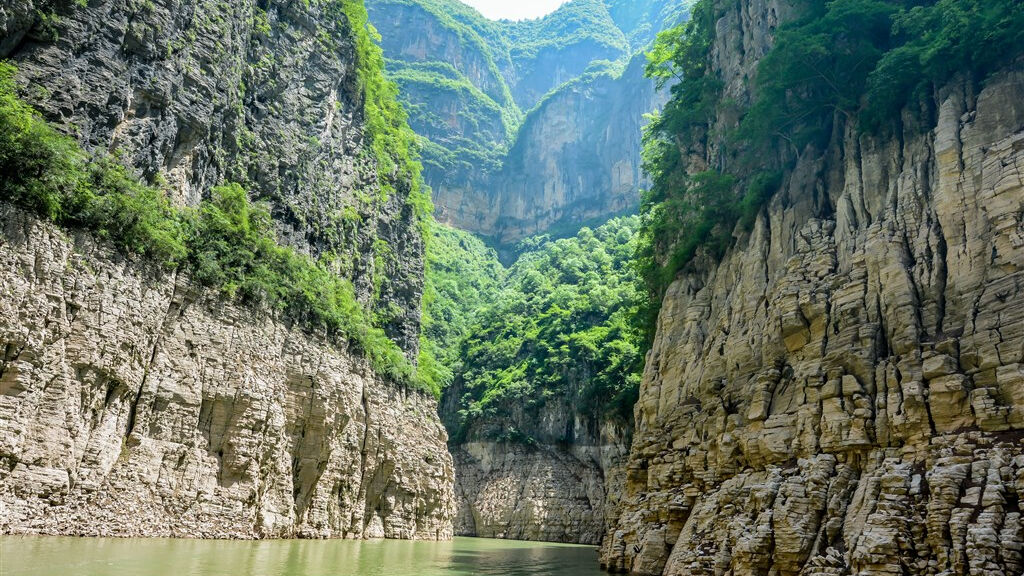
x: 463, y: 279
x: 562, y: 330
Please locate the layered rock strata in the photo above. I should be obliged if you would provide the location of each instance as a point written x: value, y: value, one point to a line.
x: 556, y: 492
x: 134, y: 404
x: 193, y: 93
x: 844, y: 392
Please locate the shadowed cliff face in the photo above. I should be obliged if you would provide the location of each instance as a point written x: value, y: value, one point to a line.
x: 576, y: 159
x: 262, y: 93
x: 842, y: 393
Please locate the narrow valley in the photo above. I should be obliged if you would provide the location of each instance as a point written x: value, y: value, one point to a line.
x: 652, y: 287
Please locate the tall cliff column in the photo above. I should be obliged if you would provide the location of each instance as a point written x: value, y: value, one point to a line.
x: 844, y: 392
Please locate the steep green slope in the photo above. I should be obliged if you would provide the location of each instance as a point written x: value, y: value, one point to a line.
x: 452, y: 66
x: 557, y: 48
x: 466, y: 82
x: 641, y: 21
x: 561, y: 331
x: 463, y: 278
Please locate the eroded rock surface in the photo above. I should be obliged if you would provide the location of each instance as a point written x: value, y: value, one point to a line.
x: 551, y: 492
x: 194, y: 93
x: 844, y: 392
x: 131, y: 404
x: 520, y: 493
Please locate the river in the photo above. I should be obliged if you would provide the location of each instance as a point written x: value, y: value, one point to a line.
x: 53, y: 556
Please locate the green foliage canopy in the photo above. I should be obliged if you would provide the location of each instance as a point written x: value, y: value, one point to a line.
x: 561, y: 327
x: 392, y: 141
x: 463, y: 277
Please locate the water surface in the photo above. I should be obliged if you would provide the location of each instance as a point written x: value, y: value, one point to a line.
x: 48, y: 556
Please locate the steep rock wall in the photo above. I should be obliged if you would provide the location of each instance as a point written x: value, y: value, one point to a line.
x: 541, y: 493
x: 550, y: 492
x: 842, y: 394
x: 134, y: 404
x: 576, y: 159
x: 551, y: 480
x: 266, y: 93
x: 473, y: 46
x: 550, y: 51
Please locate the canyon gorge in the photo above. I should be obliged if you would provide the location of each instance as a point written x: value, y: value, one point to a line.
x: 719, y: 287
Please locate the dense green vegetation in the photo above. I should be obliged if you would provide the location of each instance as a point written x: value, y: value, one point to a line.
x: 392, y: 140
x: 432, y: 90
x: 487, y: 115
x: 463, y: 277
x: 474, y: 32
x: 575, y: 22
x: 562, y: 328
x: 844, y: 62
x: 463, y: 109
x: 227, y: 243
x: 50, y: 175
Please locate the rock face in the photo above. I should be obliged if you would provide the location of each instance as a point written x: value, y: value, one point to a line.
x: 264, y: 93
x: 528, y: 493
x: 132, y: 405
x: 844, y: 392
x: 573, y: 157
x: 550, y: 51
x: 552, y: 483
x: 551, y: 492
x: 576, y: 160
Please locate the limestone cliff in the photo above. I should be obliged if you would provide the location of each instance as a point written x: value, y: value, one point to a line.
x: 576, y: 159
x: 844, y: 392
x: 555, y: 488
x: 550, y: 482
x: 265, y: 93
x: 133, y: 402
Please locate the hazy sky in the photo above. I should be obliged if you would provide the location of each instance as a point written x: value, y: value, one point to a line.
x: 514, y: 9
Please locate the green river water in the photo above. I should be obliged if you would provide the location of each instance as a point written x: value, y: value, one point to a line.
x: 47, y: 556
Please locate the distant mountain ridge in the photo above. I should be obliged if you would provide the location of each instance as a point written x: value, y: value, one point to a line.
x: 480, y: 93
